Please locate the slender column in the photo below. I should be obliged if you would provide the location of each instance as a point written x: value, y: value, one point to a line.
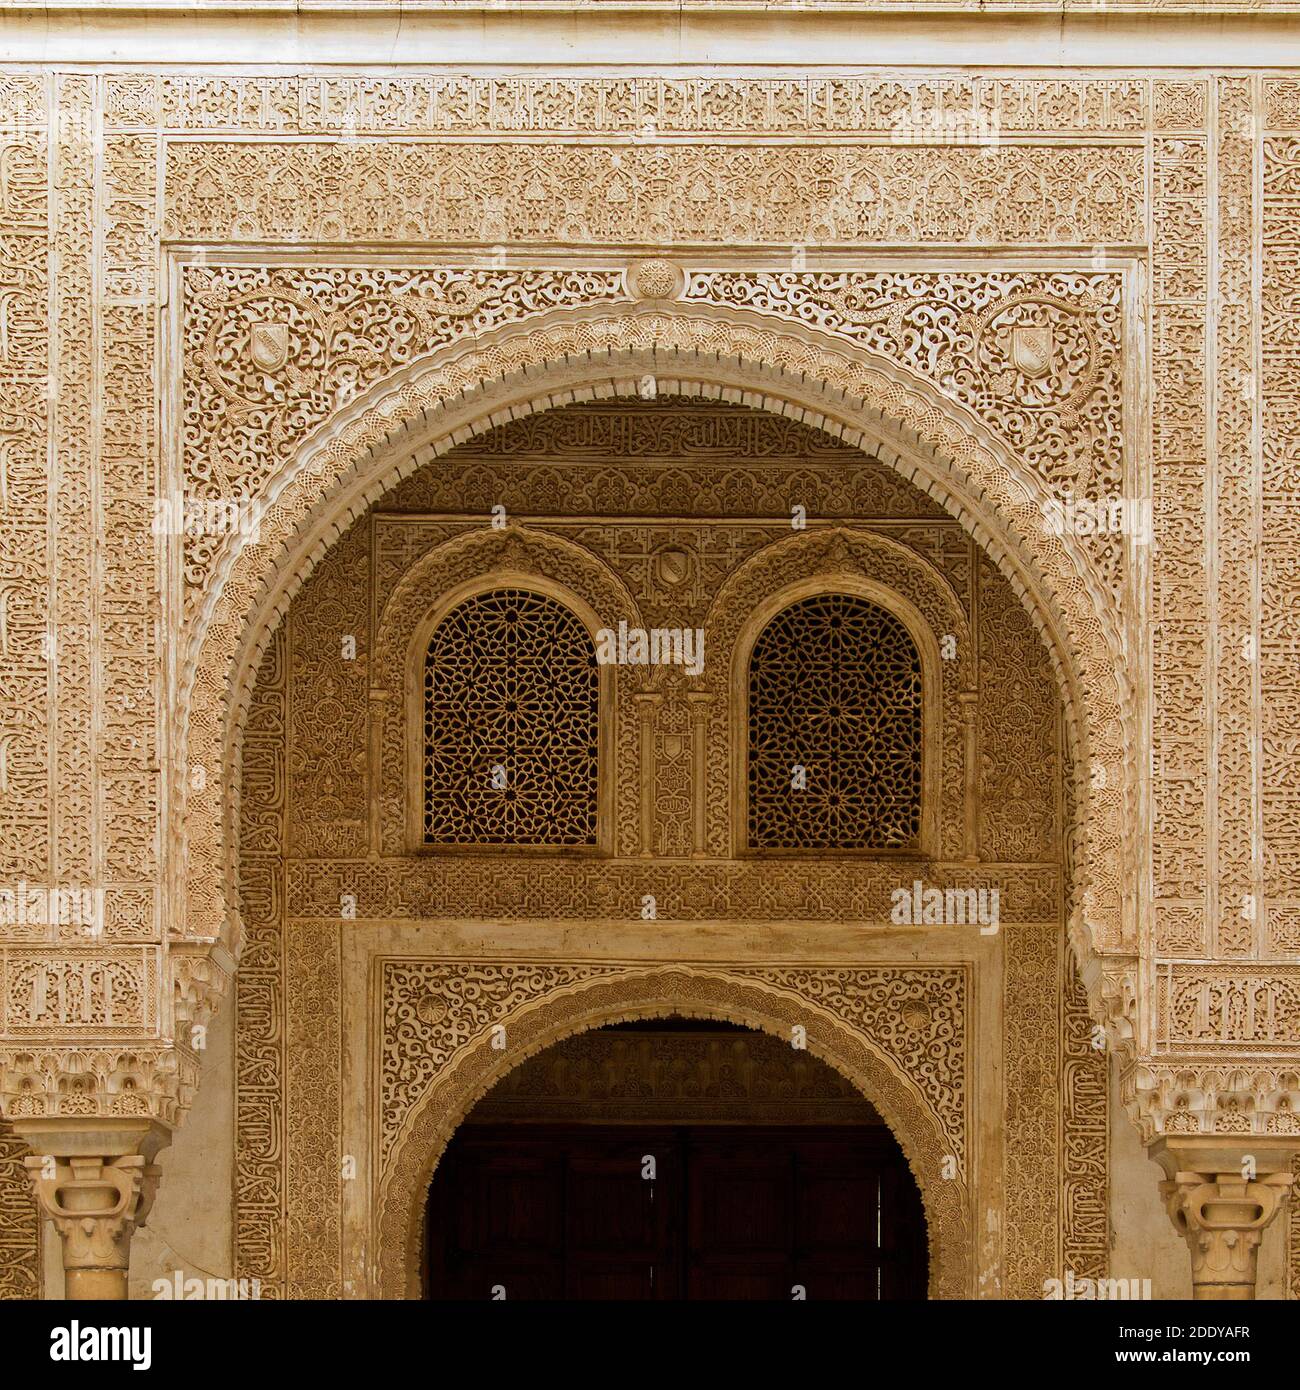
x: 969, y: 700
x: 646, y: 705
x: 1221, y: 1202
x: 700, y: 702
x: 95, y: 1181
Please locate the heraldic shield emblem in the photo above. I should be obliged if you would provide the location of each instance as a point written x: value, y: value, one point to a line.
x: 268, y: 345
x: 1031, y: 350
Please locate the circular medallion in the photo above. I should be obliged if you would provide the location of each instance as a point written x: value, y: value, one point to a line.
x: 430, y: 1010
x: 915, y: 1014
x: 655, y: 279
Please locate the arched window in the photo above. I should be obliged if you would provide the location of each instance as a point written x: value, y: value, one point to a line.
x: 835, y: 716
x: 511, y: 717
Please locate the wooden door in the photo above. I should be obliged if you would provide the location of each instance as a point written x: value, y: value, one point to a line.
x: 619, y: 1212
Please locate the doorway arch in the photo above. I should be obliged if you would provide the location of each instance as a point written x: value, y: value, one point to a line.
x: 674, y: 1160
x: 864, y: 1050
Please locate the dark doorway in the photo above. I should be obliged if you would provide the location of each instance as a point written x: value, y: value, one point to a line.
x: 571, y: 1211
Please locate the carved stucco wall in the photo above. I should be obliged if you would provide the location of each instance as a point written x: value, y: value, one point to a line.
x: 620, y: 483
x: 87, y: 715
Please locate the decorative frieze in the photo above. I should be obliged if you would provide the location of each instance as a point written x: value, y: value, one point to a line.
x: 113, y: 992
x: 505, y: 194
x: 895, y: 105
x: 1231, y: 1008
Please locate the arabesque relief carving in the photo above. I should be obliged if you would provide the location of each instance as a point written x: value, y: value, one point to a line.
x: 307, y: 689
x: 340, y: 329
x: 1200, y: 397
x: 905, y: 1032
x: 782, y: 194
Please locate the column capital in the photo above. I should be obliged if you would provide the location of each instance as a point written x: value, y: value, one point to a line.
x: 95, y: 1179
x: 1221, y: 1194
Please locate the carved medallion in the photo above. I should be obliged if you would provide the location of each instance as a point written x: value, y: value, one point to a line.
x: 1031, y: 349
x: 655, y: 280
x: 268, y: 345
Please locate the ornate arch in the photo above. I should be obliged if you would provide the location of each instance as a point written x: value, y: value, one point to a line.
x: 901, y: 581
x: 866, y: 1024
x: 475, y: 556
x: 467, y: 564
x: 755, y: 359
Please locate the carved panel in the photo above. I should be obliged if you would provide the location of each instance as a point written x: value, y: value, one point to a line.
x: 1231, y: 1008
x: 1279, y: 637
x: 894, y: 103
x: 70, y: 390
x: 431, y: 1009
x: 1180, y: 583
x: 125, y: 484
x: 665, y: 194
x: 1085, y: 1134
x: 1235, y: 561
x: 1060, y: 407
x: 260, y: 998
x: 329, y: 668
x: 271, y: 352
x: 312, y: 1093
x: 20, y: 1223
x: 1031, y: 1002
x: 1018, y: 731
x: 27, y: 601
x: 112, y: 992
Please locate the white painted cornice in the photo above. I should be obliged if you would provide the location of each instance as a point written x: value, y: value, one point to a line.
x: 657, y: 36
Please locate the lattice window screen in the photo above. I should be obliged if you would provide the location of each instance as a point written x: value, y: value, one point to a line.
x: 511, y: 714
x: 834, y: 729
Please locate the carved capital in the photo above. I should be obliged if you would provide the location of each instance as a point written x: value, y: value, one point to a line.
x: 96, y: 1182
x: 1221, y: 1207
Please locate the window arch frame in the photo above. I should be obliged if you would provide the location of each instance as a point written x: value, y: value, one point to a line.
x: 413, y: 703
x: 927, y: 647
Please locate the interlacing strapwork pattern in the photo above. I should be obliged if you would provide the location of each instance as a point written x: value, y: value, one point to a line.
x: 834, y: 729
x: 1193, y: 178
x: 511, y: 704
